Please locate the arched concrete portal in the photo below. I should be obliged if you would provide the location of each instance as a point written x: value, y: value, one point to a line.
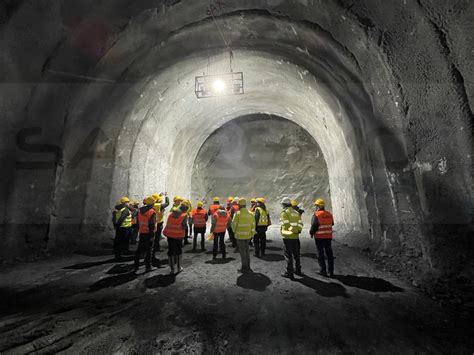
x: 161, y: 162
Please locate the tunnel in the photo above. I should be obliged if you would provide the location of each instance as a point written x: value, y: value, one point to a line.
x: 366, y: 104
x: 269, y: 154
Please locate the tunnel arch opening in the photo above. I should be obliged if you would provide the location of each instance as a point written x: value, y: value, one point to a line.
x: 261, y: 156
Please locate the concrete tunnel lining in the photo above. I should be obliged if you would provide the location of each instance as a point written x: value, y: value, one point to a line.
x: 273, y: 86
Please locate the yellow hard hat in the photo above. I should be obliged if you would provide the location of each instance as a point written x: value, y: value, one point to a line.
x: 124, y: 199
x: 177, y: 198
x: 242, y: 202
x: 294, y: 203
x: 200, y: 204
x: 319, y: 202
x: 155, y: 196
x: 261, y: 200
x: 253, y: 199
x: 186, y: 203
x: 159, y: 199
x: 216, y: 199
x: 230, y: 199
x: 149, y: 200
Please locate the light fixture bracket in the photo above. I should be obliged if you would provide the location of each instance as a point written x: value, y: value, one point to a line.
x: 219, y: 85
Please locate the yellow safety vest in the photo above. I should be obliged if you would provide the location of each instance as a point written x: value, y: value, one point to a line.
x: 159, y: 214
x: 263, y: 220
x: 291, y: 224
x: 127, y: 222
x: 243, y: 224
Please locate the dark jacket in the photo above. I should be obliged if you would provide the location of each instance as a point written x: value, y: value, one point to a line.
x: 165, y: 204
x: 299, y: 210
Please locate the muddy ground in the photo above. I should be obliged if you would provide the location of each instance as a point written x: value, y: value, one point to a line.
x: 89, y: 304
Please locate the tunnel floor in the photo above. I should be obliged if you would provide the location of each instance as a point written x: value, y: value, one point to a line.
x: 89, y: 304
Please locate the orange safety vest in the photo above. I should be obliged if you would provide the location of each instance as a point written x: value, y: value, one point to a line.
x: 213, y: 209
x: 174, y: 226
x: 221, y: 222
x: 199, y: 217
x: 325, y: 220
x: 143, y: 221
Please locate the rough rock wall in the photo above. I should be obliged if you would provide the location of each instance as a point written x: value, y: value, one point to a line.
x: 262, y: 156
x: 414, y: 58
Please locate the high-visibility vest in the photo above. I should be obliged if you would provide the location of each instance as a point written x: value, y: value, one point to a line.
x: 325, y: 220
x: 159, y: 214
x: 174, y: 226
x: 199, y: 217
x: 243, y: 224
x: 127, y: 222
x: 221, y: 222
x: 291, y: 224
x: 144, y: 221
x: 263, y: 220
x: 213, y: 209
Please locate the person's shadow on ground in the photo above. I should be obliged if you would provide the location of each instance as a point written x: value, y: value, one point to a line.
x: 253, y: 281
x: 324, y: 289
x: 160, y: 281
x: 220, y: 261
x: 372, y: 284
x: 112, y: 281
x: 272, y: 257
x: 120, y: 269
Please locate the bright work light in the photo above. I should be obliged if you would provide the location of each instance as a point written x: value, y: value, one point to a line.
x: 219, y: 85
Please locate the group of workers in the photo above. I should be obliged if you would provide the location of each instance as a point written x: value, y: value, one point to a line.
x: 243, y: 224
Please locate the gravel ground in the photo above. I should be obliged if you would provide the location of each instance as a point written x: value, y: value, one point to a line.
x: 84, y: 304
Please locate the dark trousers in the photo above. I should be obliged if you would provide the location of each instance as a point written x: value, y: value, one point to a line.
x: 156, y: 239
x: 122, y: 237
x: 134, y: 234
x: 186, y: 235
x: 292, y: 251
x: 324, y: 247
x: 260, y: 241
x: 144, y: 246
x: 219, y: 244
x: 202, y: 232
x: 231, y: 236
x: 175, y: 247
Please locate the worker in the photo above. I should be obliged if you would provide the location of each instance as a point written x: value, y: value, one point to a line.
x: 253, y: 204
x: 290, y: 229
x: 175, y: 230
x: 198, y: 220
x: 147, y: 226
x: 160, y: 208
x: 321, y: 230
x: 189, y: 227
x: 297, y: 208
x: 231, y: 212
x: 134, y: 233
x: 122, y: 221
x: 176, y: 202
x: 214, y: 207
x: 243, y: 225
x: 219, y: 223
x: 262, y: 221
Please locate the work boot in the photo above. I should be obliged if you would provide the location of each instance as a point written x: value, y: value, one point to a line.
x: 299, y: 272
x: 171, y: 263
x: 179, y: 268
x: 214, y: 257
x: 223, y: 256
x: 148, y: 269
x: 288, y: 275
x: 323, y: 273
